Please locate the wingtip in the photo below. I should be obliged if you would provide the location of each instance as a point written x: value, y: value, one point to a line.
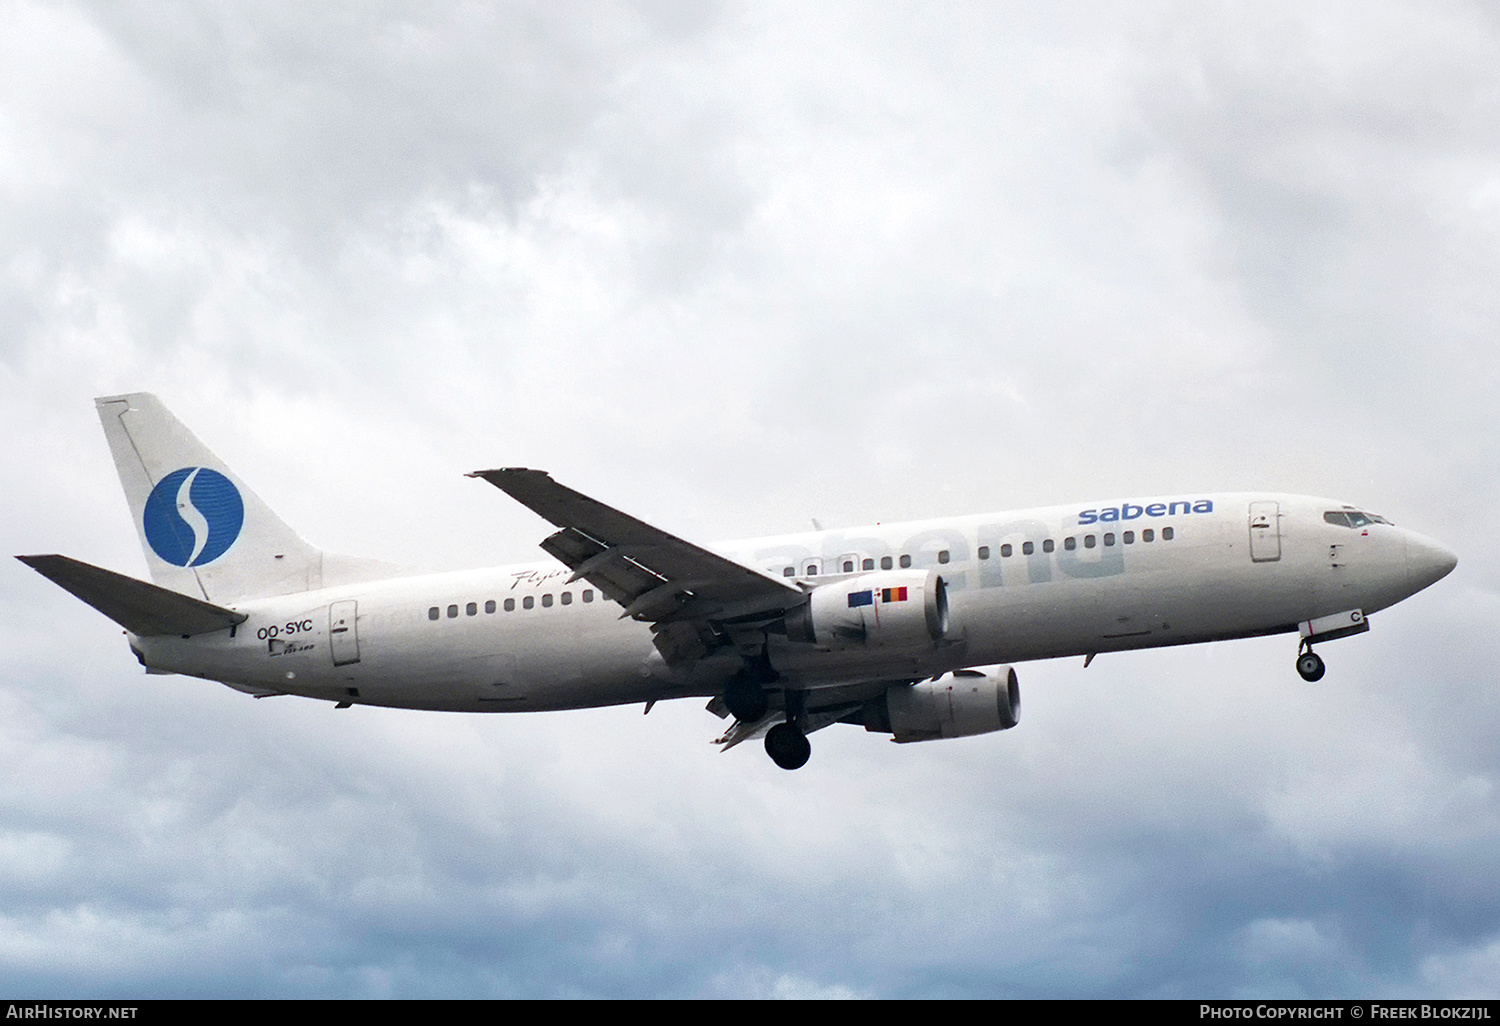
x: 498, y: 474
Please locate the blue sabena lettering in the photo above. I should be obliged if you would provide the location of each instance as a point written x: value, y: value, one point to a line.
x: 1130, y: 511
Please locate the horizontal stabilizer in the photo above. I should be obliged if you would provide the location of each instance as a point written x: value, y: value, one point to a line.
x: 141, y: 608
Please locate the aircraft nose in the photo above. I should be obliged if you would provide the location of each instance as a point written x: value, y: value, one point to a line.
x: 1427, y: 562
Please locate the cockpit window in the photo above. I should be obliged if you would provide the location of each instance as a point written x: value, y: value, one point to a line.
x: 1353, y: 518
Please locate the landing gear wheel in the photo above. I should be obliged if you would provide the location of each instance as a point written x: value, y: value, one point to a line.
x: 1310, y: 666
x: 745, y: 699
x: 787, y: 746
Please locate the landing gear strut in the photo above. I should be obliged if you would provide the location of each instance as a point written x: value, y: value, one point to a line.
x: 1309, y: 665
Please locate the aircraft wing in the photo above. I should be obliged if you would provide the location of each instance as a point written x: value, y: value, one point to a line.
x: 657, y: 577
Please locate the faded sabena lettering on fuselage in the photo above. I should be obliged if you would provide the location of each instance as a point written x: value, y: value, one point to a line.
x: 1131, y: 511
x: 1036, y: 561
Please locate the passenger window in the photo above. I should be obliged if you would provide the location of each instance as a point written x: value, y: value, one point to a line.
x: 489, y: 606
x: 432, y: 614
x: 1167, y: 534
x: 452, y: 612
x: 547, y: 600
x: 567, y: 598
x: 943, y: 556
x: 1028, y: 548
x: 868, y: 564
x: 1129, y: 538
x: 472, y: 608
x: 1148, y: 535
x: 1088, y: 541
x: 885, y: 562
x: 588, y: 594
x: 1070, y: 543
x: 510, y: 605
x: 848, y: 566
x: 1109, y: 539
x: 1048, y: 545
x: 789, y: 572
x: 528, y: 602
x: 812, y: 569
x: 1006, y: 550
x: 905, y: 562
x: 984, y: 552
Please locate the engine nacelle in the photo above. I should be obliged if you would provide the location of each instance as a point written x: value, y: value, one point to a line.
x: 889, y: 609
x: 958, y: 704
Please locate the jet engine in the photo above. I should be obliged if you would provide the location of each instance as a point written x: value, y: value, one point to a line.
x: 958, y: 704
x: 889, y: 609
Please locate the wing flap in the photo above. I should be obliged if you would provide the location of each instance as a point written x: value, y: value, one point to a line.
x: 605, y: 566
x: 816, y: 719
x: 141, y: 608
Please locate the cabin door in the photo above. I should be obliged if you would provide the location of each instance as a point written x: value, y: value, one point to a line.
x: 1265, y: 532
x: 343, y: 636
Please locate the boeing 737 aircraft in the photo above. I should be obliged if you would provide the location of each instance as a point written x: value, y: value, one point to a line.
x: 905, y: 629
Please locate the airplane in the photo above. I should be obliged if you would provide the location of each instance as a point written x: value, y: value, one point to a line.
x: 907, y: 629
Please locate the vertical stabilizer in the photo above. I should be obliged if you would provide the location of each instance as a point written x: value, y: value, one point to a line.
x: 204, y: 533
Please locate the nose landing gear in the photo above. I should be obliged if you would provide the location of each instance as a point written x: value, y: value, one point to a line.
x: 1326, y: 628
x: 1309, y: 664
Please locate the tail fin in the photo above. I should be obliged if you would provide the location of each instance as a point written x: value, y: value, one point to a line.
x: 203, y: 531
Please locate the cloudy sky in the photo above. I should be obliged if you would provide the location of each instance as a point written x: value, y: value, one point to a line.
x: 731, y: 266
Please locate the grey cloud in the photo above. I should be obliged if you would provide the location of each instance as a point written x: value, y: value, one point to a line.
x: 730, y: 267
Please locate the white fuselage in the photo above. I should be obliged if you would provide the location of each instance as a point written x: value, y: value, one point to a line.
x: 1034, y: 584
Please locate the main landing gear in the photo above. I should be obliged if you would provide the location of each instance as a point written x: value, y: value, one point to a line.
x: 745, y: 698
x: 786, y: 744
x: 745, y: 694
x: 1309, y: 664
x: 748, y: 701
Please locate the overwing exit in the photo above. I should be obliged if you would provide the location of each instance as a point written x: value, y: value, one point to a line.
x: 908, y: 629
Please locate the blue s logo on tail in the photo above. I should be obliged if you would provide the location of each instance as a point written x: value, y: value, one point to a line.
x: 192, y: 516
